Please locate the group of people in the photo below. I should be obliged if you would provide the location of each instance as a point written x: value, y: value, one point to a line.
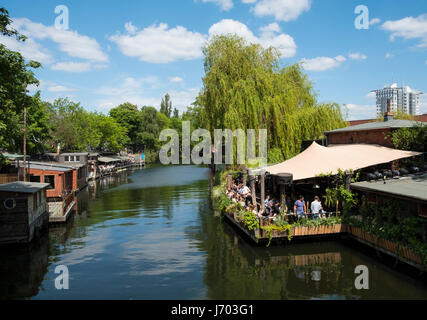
x: 300, y: 208
x: 241, y: 194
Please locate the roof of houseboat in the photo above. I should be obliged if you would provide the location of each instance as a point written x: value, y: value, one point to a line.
x: 23, y: 187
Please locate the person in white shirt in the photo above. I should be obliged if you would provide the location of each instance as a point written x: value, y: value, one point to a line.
x: 316, y: 208
x: 245, y: 190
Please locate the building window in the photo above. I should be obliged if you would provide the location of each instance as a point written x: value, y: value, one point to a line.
x: 9, y: 204
x: 51, y: 181
x: 77, y: 158
x: 35, y: 178
x: 66, y: 158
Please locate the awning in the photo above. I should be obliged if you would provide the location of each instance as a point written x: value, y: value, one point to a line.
x: 107, y: 159
x: 317, y: 160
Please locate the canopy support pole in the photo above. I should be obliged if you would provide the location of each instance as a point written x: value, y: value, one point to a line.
x: 282, y: 198
x: 245, y: 173
x: 253, y: 191
x: 262, y: 190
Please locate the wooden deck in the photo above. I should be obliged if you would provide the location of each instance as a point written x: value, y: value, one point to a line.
x: 390, y: 248
x: 260, y: 236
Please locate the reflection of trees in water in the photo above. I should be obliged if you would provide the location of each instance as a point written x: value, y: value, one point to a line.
x: 22, y: 269
x: 151, y: 203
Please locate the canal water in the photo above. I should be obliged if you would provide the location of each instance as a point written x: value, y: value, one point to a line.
x: 153, y: 235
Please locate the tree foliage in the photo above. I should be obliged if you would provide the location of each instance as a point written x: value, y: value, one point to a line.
x: 244, y: 87
x: 166, y: 106
x: 15, y: 76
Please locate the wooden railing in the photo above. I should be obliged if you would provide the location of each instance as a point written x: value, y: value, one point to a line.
x: 7, y: 178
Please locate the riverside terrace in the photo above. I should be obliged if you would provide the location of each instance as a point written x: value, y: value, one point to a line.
x: 263, y: 220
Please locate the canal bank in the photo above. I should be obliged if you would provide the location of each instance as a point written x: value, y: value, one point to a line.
x: 153, y: 234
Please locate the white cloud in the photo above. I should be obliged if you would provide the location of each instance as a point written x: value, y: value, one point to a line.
x: 176, y: 79
x: 159, y: 44
x: 322, y: 63
x: 59, y: 88
x: 130, y: 28
x: 282, y: 10
x: 371, y: 95
x: 225, y: 5
x: 374, y: 21
x: 408, y: 28
x: 269, y: 37
x: 138, y: 91
x: 360, y: 112
x: 29, y: 49
x: 389, y: 55
x: 75, y: 67
x: 249, y: 1
x: 70, y: 42
x: 357, y: 56
x: 269, y: 31
x: 184, y: 98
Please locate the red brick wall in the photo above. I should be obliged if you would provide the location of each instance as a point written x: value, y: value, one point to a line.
x: 377, y: 136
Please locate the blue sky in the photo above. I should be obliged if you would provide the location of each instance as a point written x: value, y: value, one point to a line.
x: 136, y: 51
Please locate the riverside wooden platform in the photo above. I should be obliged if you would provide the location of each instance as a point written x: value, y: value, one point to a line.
x: 388, y: 247
x: 260, y: 235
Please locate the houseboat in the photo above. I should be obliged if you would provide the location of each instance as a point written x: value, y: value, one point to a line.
x: 23, y: 211
x: 60, y: 191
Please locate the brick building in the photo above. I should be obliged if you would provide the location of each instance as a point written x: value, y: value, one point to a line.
x: 370, y: 132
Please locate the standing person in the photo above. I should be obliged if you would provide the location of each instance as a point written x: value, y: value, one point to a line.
x: 316, y: 207
x: 300, y: 209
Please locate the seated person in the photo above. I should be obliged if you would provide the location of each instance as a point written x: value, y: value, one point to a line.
x: 245, y: 190
x: 276, y: 208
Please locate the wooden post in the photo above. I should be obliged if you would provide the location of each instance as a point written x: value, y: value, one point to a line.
x: 282, y: 198
x: 348, y: 181
x: 245, y: 173
x: 25, y: 141
x: 262, y: 190
x: 253, y: 191
x: 336, y: 213
x: 229, y: 180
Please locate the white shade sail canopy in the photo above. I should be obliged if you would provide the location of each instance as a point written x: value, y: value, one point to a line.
x: 317, y: 160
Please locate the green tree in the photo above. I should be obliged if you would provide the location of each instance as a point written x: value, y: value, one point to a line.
x: 63, y: 119
x: 15, y: 76
x: 129, y: 116
x: 175, y: 113
x: 113, y: 135
x: 166, y: 106
x: 244, y: 87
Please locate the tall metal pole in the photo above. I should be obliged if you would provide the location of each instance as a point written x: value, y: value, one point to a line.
x: 25, y: 136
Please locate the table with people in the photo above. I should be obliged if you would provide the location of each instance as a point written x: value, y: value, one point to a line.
x: 239, y: 193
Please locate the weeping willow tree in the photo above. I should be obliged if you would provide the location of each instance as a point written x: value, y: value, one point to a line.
x: 245, y: 87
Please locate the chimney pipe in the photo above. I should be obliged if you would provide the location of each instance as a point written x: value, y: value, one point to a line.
x: 389, y: 115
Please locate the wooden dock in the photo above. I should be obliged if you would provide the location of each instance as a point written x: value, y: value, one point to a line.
x: 260, y: 235
x: 399, y: 252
